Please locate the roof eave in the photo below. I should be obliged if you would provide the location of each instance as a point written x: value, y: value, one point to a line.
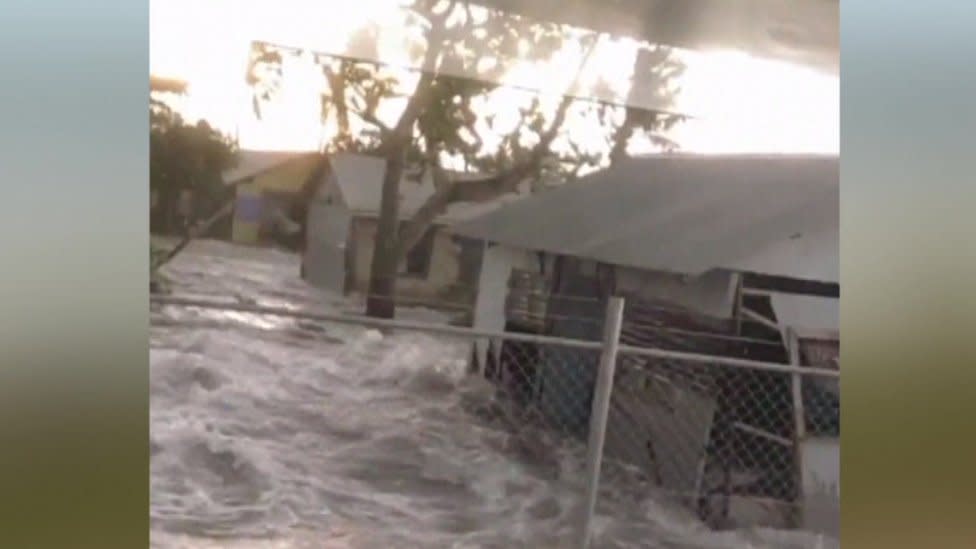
x: 245, y: 178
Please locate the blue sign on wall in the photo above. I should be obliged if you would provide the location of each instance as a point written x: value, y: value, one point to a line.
x: 249, y: 207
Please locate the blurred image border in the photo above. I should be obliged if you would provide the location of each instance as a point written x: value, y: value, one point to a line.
x: 74, y: 378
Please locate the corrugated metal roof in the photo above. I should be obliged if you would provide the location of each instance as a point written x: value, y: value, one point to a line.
x: 360, y: 180
x: 775, y: 215
x: 252, y: 162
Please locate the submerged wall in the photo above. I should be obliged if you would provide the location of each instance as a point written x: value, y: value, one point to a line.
x: 325, y: 248
x: 444, y: 272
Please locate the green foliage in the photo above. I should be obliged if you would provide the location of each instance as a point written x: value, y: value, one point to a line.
x: 454, y: 120
x: 182, y: 157
x: 441, y: 124
x: 185, y: 155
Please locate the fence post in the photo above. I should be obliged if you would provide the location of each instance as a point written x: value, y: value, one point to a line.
x: 799, y: 425
x: 599, y: 412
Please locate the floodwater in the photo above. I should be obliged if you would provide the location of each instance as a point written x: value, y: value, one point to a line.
x: 277, y: 433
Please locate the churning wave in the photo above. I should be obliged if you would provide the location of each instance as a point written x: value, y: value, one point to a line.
x: 269, y: 432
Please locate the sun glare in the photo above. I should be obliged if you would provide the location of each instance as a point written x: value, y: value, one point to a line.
x: 739, y: 103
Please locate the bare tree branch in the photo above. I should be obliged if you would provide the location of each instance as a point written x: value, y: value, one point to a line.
x: 195, y: 231
x: 421, y: 95
x: 488, y: 188
x: 337, y: 87
x: 621, y: 137
x: 385, y: 131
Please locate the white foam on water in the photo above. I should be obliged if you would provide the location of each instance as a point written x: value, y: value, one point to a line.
x: 264, y: 436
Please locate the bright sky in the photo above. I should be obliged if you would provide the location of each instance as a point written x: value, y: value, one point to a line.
x: 741, y: 104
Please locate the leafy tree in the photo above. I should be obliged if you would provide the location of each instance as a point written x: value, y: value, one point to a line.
x: 454, y: 129
x: 184, y: 157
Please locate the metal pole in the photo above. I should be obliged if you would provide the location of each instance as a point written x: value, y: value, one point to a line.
x: 371, y: 322
x: 380, y: 323
x: 599, y: 412
x: 729, y: 361
x: 799, y: 424
x: 482, y: 347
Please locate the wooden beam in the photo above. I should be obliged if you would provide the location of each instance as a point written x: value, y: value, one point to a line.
x: 786, y: 285
x: 818, y: 334
x: 737, y: 308
x: 753, y: 315
x: 194, y: 232
x: 746, y: 428
x: 753, y: 292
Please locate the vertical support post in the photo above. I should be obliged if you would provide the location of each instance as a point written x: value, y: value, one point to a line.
x: 486, y: 314
x: 799, y: 424
x: 725, y: 459
x: 737, y: 305
x: 599, y: 412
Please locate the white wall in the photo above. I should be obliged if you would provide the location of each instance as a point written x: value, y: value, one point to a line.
x: 809, y: 312
x: 326, y: 238
x: 325, y: 252
x: 444, y: 272
x: 821, y: 485
x: 489, y: 310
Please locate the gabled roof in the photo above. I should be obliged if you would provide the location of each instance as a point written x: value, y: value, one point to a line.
x: 773, y: 214
x: 251, y: 163
x: 360, y: 181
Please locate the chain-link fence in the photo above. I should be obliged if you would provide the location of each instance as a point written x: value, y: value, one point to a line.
x: 737, y: 441
x: 724, y: 437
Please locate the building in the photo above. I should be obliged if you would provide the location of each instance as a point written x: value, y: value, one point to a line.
x: 269, y: 185
x: 716, y: 255
x: 342, y: 223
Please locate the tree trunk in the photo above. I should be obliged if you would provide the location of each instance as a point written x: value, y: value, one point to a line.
x: 337, y: 87
x: 380, y: 299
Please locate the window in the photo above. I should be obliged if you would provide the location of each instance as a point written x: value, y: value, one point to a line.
x: 417, y: 262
